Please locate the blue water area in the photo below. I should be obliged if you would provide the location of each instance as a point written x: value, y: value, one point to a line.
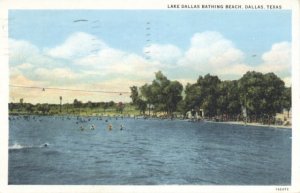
x: 65, y: 150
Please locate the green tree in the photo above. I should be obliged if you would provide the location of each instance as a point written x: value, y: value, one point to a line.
x: 111, y: 103
x: 162, y: 94
x: 204, y: 94
x: 287, y: 99
x: 192, y: 98
x: 228, y: 99
x: 120, y: 107
x: 77, y: 103
x: 142, y: 106
x: 209, y: 93
x: 261, y: 94
x: 147, y: 95
x: 173, y: 96
x: 44, y: 108
x: 251, y: 89
x: 28, y: 107
x: 105, y: 106
x: 273, y: 94
x: 89, y: 104
x: 137, y: 99
x: 134, y: 94
x: 159, y: 90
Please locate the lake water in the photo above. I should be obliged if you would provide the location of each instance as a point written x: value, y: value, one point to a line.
x: 147, y: 152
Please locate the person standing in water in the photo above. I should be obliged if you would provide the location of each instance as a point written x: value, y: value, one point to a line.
x: 81, y: 128
x: 109, y: 127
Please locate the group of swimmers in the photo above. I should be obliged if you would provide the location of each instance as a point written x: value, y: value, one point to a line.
x: 109, y: 127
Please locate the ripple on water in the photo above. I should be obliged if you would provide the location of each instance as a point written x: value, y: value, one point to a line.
x: 148, y: 152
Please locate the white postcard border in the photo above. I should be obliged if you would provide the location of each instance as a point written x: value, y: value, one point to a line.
x: 5, y: 5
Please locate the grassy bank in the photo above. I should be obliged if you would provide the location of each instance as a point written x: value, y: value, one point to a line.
x: 69, y: 109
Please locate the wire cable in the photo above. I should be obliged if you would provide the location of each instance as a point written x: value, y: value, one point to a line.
x: 66, y: 89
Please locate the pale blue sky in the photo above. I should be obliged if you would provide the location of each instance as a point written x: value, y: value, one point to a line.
x: 253, y: 32
x: 115, y: 49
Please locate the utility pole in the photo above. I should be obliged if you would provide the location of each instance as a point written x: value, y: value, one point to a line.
x: 60, y: 98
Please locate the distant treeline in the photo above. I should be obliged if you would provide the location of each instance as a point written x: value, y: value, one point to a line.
x: 255, y: 95
x: 75, y: 108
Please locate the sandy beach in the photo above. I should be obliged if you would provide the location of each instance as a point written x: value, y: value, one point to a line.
x: 254, y: 124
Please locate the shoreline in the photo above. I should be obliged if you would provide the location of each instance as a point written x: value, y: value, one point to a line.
x: 208, y: 121
x: 254, y: 124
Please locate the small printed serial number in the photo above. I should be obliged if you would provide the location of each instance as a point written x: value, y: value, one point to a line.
x: 282, y: 189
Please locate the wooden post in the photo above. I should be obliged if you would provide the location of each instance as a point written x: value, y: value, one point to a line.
x: 60, y: 98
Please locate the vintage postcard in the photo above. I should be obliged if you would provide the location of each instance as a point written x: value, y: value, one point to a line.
x: 134, y: 96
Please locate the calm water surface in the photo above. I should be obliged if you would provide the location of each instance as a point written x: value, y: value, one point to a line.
x: 148, y: 152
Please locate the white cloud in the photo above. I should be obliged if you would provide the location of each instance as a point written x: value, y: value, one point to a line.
x: 26, y: 55
x: 116, y: 62
x: 278, y: 59
x: 21, y: 51
x: 166, y: 54
x: 115, y: 85
x: 28, y: 61
x: 234, y: 71
x: 56, y: 74
x: 78, y: 45
x: 19, y: 79
x: 25, y: 66
x: 209, y: 52
x: 75, y: 63
x: 102, y: 59
x: 136, y: 65
x: 287, y: 81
